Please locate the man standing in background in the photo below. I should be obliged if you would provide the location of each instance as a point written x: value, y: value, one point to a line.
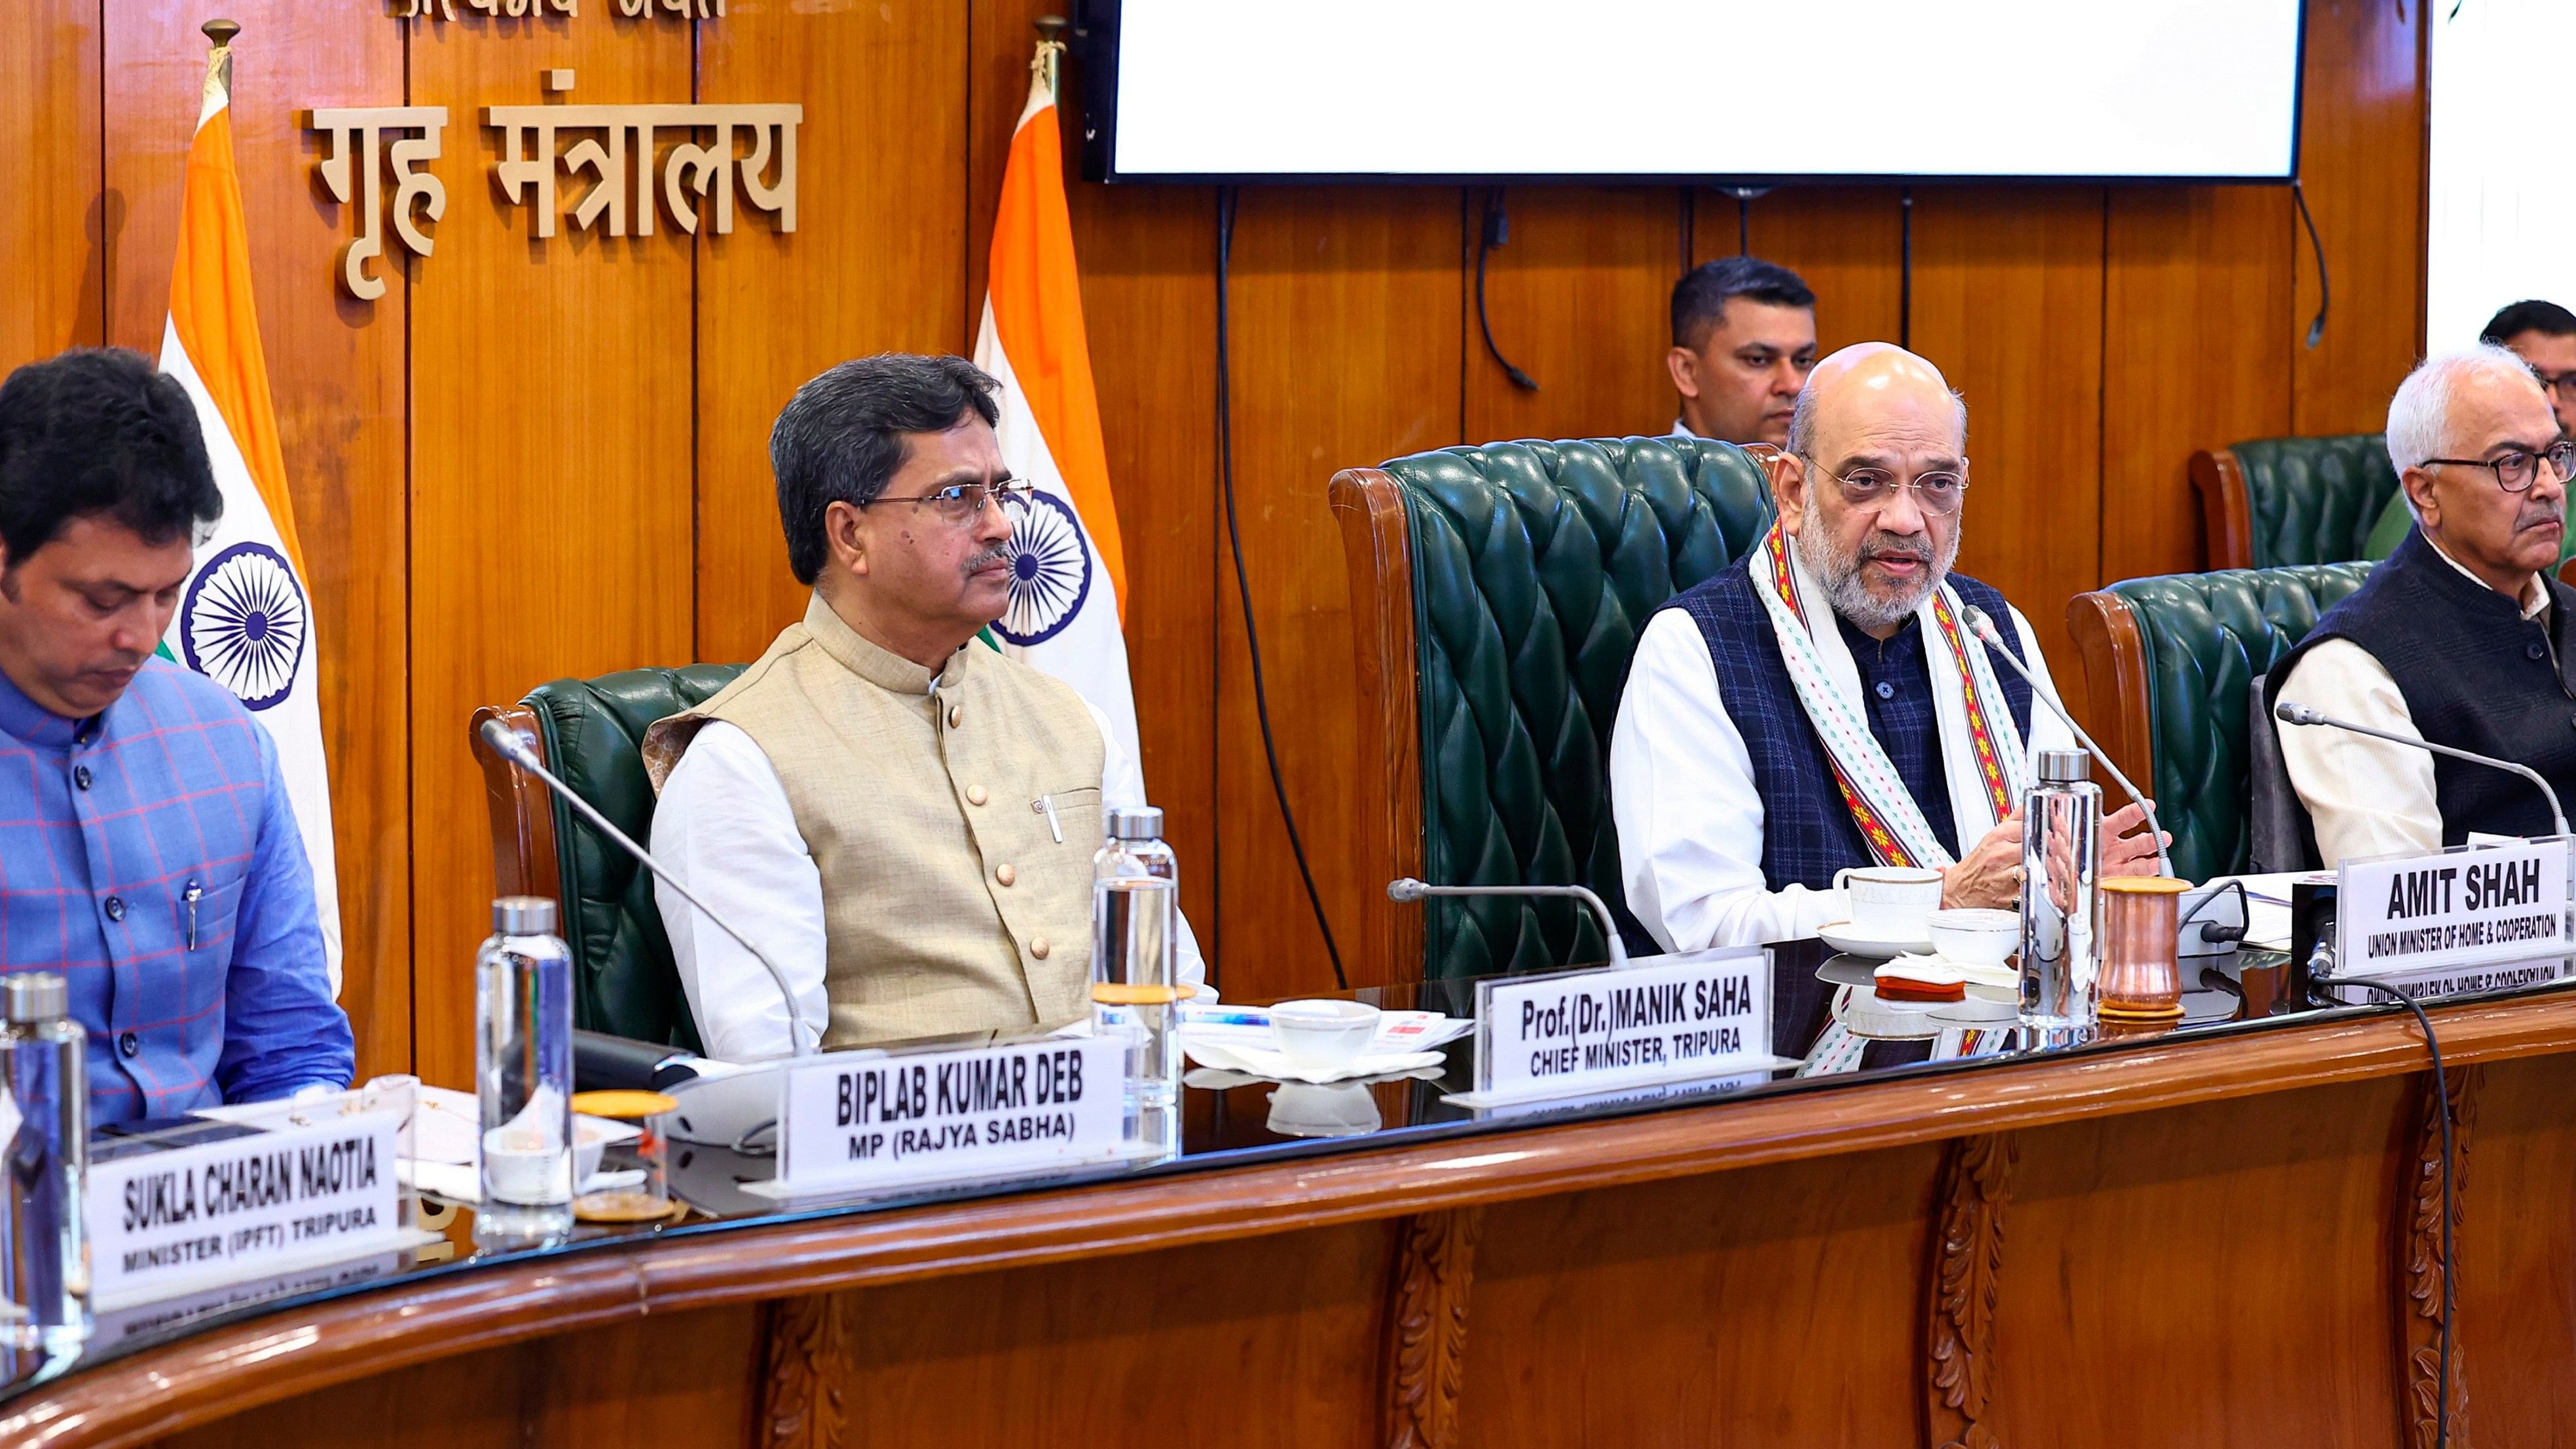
x: 1744, y: 339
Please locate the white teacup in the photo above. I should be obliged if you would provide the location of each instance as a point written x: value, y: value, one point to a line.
x: 1890, y: 901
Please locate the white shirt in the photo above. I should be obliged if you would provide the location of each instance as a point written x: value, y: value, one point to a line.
x: 724, y: 828
x: 1681, y: 430
x: 2367, y: 797
x: 1690, y: 821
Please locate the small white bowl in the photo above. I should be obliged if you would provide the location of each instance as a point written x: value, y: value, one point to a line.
x: 1975, y: 937
x: 1320, y: 1035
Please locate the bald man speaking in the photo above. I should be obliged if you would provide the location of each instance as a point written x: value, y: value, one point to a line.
x: 1828, y: 678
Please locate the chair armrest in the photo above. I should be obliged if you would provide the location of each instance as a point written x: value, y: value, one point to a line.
x: 1377, y: 547
x: 522, y: 809
x: 2116, y: 706
x: 2226, y: 518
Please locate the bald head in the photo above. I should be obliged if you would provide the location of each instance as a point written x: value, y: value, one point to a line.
x: 1877, y: 382
x: 1872, y: 416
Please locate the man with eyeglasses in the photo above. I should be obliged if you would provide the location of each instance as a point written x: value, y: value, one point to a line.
x: 1821, y: 704
x: 904, y: 817
x: 2460, y: 638
x: 2543, y: 335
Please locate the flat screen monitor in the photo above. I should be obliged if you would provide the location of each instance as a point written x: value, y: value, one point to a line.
x: 1741, y: 91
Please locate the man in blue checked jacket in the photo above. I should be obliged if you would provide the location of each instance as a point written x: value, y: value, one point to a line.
x: 147, y: 848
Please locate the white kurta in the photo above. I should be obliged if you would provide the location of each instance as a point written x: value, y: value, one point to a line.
x: 723, y: 827
x: 2366, y: 797
x: 1690, y: 820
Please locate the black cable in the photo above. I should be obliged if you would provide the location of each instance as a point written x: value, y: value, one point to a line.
x: 2316, y: 329
x: 1905, y: 271
x: 1242, y: 585
x: 1743, y: 223
x: 2244, y: 907
x: 2450, y: 1208
x: 1497, y: 230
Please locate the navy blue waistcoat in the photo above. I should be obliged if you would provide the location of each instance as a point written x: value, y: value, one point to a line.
x: 1807, y: 831
x: 2475, y: 674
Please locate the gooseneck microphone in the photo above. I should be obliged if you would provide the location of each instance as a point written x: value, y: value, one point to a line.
x: 1982, y: 624
x: 1409, y: 889
x: 2300, y: 714
x: 506, y: 743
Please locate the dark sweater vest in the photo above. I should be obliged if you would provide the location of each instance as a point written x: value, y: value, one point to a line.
x: 2475, y: 675
x: 1807, y: 831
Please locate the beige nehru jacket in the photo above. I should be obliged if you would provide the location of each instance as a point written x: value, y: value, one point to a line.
x: 949, y: 903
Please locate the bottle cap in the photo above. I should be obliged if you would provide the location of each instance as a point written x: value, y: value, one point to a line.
x: 2064, y: 767
x: 1143, y: 822
x: 34, y: 996
x: 523, y: 916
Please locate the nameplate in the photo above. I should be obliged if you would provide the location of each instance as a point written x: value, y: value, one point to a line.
x: 858, y: 1122
x: 167, y: 1223
x: 2466, y: 906
x: 1664, y: 1019
x: 2444, y: 981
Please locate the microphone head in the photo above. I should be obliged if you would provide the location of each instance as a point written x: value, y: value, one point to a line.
x: 1407, y: 889
x: 2297, y: 714
x: 1981, y: 624
x: 506, y: 743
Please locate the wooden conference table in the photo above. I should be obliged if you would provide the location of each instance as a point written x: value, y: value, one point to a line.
x: 2225, y: 1234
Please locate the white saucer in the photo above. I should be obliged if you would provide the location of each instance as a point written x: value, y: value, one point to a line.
x: 1844, y: 936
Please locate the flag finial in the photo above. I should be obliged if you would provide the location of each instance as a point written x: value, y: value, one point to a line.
x: 221, y: 32
x: 1047, y: 66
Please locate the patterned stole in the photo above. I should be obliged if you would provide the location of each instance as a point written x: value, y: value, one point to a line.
x: 1967, y: 701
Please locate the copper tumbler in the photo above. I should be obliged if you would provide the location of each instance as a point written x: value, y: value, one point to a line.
x: 2141, y: 974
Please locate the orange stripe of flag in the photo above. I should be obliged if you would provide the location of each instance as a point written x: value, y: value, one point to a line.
x: 211, y: 311
x: 1036, y: 295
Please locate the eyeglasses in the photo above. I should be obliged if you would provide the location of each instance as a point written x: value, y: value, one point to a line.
x: 1937, y: 492
x: 2563, y: 383
x: 965, y: 502
x: 2516, y: 471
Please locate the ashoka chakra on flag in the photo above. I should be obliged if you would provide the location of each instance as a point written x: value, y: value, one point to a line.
x: 1050, y: 569
x: 244, y: 622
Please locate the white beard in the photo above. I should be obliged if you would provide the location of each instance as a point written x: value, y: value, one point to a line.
x: 1837, y: 571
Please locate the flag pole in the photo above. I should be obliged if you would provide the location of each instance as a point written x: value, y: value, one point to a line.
x: 221, y: 32
x: 1047, y: 66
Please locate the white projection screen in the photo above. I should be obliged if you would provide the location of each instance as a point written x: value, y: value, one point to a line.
x: 1741, y: 90
x: 2502, y: 223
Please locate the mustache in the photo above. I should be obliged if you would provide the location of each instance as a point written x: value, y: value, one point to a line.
x: 1898, y: 545
x: 998, y: 553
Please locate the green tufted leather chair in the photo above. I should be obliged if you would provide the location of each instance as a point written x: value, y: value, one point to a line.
x: 590, y: 732
x: 2278, y: 501
x: 2167, y: 663
x: 1497, y: 593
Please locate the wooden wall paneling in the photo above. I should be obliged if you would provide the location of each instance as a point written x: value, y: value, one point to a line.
x: 1581, y: 300
x: 2195, y: 1270
x: 2361, y: 156
x: 1148, y: 259
x: 1846, y: 242
x: 1348, y: 316
x: 1638, y: 1315
x: 2197, y: 336
x: 874, y: 264
x: 336, y: 371
x: 681, y: 1380
x: 553, y: 404
x: 55, y: 232
x: 2008, y: 304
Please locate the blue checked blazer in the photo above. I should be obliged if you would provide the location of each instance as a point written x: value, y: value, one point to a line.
x: 1807, y: 831
x: 149, y: 853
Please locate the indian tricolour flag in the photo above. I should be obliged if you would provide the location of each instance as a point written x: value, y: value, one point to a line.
x: 1069, y: 578
x: 245, y: 618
